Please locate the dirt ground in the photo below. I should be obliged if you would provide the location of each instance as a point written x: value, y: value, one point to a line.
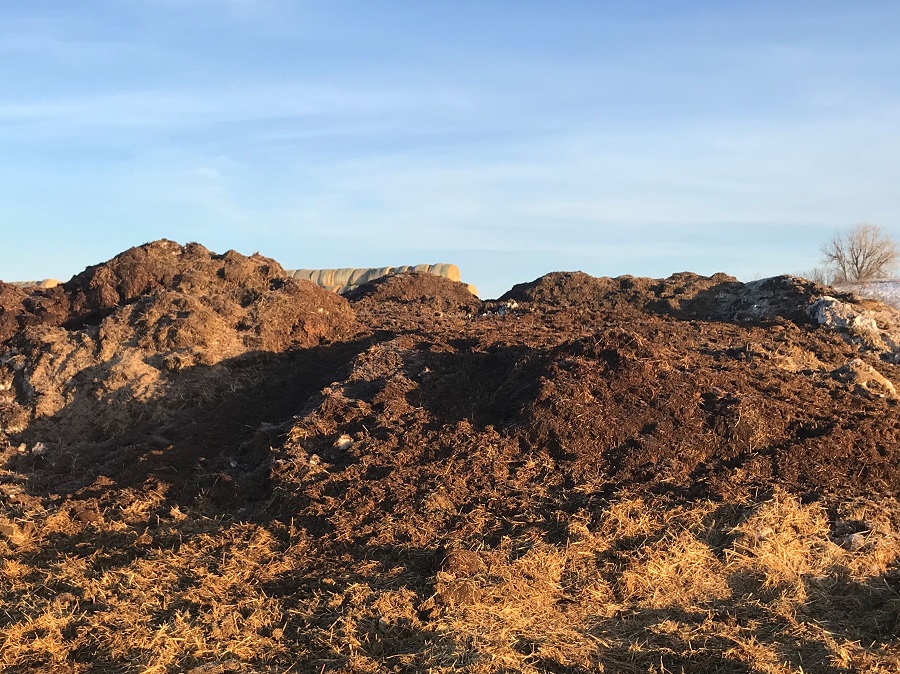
x: 207, y: 466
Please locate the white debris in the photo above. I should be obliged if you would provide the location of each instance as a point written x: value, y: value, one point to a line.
x: 833, y: 313
x: 878, y: 330
x: 852, y: 542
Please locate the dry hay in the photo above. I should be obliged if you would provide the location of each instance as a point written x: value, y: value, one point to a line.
x: 644, y: 585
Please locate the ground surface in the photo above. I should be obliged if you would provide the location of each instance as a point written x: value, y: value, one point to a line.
x: 209, y: 467
x: 887, y: 291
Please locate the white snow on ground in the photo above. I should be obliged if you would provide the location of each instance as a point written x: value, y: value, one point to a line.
x: 887, y: 291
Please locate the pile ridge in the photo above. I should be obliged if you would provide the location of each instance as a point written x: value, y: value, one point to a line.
x: 264, y: 474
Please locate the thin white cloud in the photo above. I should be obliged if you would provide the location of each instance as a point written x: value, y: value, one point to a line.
x: 189, y: 108
x: 697, y: 178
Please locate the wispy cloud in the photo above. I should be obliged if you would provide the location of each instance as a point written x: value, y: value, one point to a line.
x: 320, y: 107
x: 165, y: 107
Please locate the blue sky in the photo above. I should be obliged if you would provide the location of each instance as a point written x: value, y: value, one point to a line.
x: 513, y: 138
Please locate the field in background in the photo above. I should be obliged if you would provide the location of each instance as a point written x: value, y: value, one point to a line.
x: 887, y: 291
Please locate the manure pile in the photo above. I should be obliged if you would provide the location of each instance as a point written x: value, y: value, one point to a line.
x: 207, y: 465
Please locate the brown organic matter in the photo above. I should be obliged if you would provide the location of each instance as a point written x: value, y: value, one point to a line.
x: 210, y: 466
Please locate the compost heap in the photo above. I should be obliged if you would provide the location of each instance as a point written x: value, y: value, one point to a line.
x: 209, y: 466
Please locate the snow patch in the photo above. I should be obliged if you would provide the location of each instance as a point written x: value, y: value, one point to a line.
x: 887, y: 291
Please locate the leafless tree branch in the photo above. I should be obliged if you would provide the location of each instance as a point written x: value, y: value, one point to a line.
x: 862, y: 253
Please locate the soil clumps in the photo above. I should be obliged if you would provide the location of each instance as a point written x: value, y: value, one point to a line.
x: 697, y: 384
x: 12, y: 305
x: 106, y: 359
x: 410, y: 427
x: 400, y: 301
x: 416, y: 288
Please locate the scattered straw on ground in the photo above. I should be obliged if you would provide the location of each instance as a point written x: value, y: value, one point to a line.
x: 641, y: 586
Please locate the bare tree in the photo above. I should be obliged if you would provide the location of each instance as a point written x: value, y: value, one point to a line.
x: 821, y: 275
x: 862, y: 253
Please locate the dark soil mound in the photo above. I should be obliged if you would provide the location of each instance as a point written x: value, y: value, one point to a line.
x: 685, y: 295
x: 410, y: 300
x: 369, y: 440
x: 690, y: 384
x: 242, y: 290
x: 186, y: 296
x: 428, y: 290
x: 114, y: 353
x: 176, y: 285
x: 625, y: 293
x: 435, y: 428
x: 155, y: 265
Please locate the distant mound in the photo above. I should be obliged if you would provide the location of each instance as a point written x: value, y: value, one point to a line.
x: 413, y: 291
x: 577, y: 289
x: 684, y: 295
